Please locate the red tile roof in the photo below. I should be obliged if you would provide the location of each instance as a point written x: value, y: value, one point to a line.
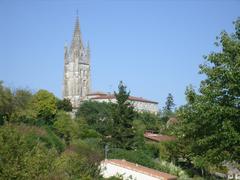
x: 159, y: 137
x: 141, y: 169
x: 131, y: 98
x: 96, y: 93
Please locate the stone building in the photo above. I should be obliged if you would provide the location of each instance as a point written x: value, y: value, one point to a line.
x: 77, y: 82
x: 128, y: 170
x: 140, y: 104
x: 77, y: 77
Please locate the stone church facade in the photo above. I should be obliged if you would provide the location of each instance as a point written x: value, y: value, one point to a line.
x: 77, y: 72
x: 77, y: 77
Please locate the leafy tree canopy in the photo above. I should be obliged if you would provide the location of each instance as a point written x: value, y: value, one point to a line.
x: 98, y: 115
x: 44, y: 104
x: 6, y: 99
x: 210, y: 121
x: 64, y: 105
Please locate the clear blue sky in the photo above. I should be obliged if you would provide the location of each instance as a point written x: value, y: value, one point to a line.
x: 154, y: 46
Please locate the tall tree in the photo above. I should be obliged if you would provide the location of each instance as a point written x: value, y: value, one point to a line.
x: 169, y: 104
x: 210, y: 121
x: 45, y: 106
x: 168, y: 109
x: 123, y: 116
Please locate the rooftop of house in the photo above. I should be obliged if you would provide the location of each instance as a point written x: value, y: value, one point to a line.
x: 141, y: 169
x: 101, y: 95
x: 158, y: 137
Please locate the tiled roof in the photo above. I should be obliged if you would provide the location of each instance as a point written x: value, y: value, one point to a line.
x: 158, y: 137
x: 131, y: 98
x: 96, y: 93
x: 141, y: 169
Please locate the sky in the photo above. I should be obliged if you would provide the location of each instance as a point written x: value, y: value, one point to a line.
x: 154, y: 46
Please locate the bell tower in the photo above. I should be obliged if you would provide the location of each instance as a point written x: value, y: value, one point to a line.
x: 76, y: 84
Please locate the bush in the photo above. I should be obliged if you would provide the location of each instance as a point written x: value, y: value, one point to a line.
x: 21, y: 156
x: 138, y: 157
x: 171, y: 169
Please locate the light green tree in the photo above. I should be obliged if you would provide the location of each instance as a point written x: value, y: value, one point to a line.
x: 21, y: 157
x: 44, y: 105
x: 66, y: 127
x: 22, y: 110
x: 6, y: 106
x: 210, y: 121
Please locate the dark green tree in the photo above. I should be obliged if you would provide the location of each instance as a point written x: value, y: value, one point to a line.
x: 64, y: 105
x: 98, y: 115
x: 123, y: 115
x: 210, y: 121
x: 169, y: 104
x: 152, y: 121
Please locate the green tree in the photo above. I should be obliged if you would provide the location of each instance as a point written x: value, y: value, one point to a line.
x: 44, y: 105
x: 123, y: 115
x: 64, y: 105
x: 6, y: 106
x: 65, y: 127
x: 139, y: 133
x: 98, y: 115
x: 151, y: 121
x: 22, y: 111
x: 169, y: 102
x: 22, y: 99
x: 169, y: 105
x: 210, y: 121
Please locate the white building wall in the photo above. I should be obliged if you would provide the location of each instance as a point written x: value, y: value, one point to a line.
x: 138, y: 105
x: 109, y: 170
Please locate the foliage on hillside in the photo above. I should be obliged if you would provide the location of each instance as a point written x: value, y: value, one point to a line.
x: 40, y: 140
x: 209, y: 124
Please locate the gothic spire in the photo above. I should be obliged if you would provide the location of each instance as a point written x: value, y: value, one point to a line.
x: 65, y: 53
x: 77, y: 41
x: 88, y: 53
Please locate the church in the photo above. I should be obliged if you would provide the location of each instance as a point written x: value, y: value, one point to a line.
x: 77, y: 77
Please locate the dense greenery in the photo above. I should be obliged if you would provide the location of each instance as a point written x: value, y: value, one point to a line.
x: 123, y: 131
x: 209, y: 124
x: 98, y: 115
x: 64, y: 105
x: 39, y: 139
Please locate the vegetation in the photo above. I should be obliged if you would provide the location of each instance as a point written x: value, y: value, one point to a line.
x: 210, y: 120
x: 123, y: 115
x: 64, y: 105
x: 40, y: 140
